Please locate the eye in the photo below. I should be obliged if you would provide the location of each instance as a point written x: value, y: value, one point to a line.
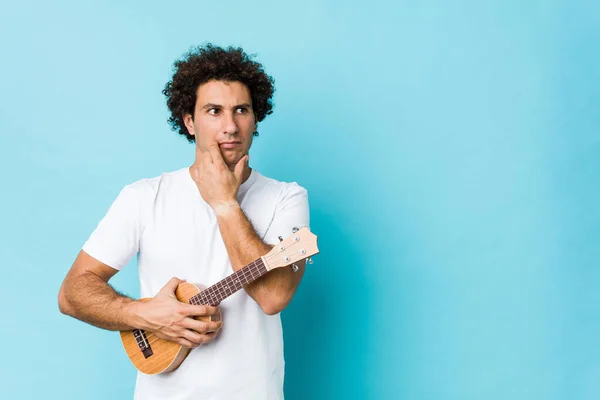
x: 241, y: 110
x: 213, y: 111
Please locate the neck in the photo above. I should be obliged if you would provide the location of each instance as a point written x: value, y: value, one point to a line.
x: 245, y: 174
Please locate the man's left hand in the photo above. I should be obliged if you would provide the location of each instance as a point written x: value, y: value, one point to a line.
x: 217, y: 184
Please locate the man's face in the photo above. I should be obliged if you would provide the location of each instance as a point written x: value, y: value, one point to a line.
x: 223, y: 114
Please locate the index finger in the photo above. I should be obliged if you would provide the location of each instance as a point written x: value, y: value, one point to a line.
x: 215, y: 154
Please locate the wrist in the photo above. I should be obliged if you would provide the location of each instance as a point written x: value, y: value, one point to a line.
x: 133, y: 315
x: 224, y: 208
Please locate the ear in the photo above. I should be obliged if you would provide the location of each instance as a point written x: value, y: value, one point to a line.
x: 189, y: 123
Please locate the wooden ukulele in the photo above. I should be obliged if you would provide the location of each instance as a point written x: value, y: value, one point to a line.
x: 152, y: 355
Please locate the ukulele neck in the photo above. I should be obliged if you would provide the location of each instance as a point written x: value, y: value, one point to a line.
x: 216, y: 293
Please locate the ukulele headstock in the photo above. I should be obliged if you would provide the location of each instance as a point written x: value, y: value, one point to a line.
x: 298, y: 246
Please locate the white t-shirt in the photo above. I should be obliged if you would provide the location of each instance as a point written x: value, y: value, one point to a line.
x: 174, y: 232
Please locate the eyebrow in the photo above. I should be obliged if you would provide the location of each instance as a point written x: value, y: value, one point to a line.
x: 212, y: 105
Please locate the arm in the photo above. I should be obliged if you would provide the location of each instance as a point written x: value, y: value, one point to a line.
x: 218, y: 184
x: 86, y: 295
x: 275, y: 289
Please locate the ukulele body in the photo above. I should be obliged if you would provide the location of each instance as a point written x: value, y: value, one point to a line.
x: 161, y: 356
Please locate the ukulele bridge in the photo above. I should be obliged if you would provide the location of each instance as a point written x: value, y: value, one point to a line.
x: 142, y: 341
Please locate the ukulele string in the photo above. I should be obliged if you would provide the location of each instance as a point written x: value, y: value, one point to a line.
x: 246, y: 274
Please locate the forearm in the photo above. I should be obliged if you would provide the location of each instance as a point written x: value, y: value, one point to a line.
x: 90, y: 299
x: 275, y: 289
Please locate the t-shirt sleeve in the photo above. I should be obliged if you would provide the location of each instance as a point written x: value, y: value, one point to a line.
x: 116, y: 238
x: 291, y: 211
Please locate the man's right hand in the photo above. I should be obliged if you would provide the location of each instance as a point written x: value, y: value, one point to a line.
x: 172, y: 320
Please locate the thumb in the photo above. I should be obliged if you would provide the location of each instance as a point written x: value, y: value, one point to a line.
x: 238, y: 171
x: 171, y: 286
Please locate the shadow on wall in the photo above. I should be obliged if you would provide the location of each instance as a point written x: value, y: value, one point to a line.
x: 326, y: 324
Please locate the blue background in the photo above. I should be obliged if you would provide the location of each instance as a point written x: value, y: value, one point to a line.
x: 451, y: 151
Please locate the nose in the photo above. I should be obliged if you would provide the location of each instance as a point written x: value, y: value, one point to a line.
x: 229, y: 125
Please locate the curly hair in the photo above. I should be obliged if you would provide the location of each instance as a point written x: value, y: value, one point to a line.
x: 205, y: 63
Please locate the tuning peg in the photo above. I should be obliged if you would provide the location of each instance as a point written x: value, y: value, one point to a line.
x: 295, y: 229
x: 280, y: 239
x: 309, y: 260
x: 295, y: 268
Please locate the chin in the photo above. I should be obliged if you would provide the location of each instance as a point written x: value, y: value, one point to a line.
x: 232, y: 159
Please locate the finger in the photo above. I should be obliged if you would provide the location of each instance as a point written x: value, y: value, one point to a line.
x: 174, y: 337
x: 201, y: 167
x: 195, y: 170
x: 192, y: 336
x: 171, y: 286
x: 215, y: 155
x: 213, y: 326
x: 194, y: 325
x: 239, y: 168
x: 200, y: 310
x: 204, y: 160
x: 201, y: 326
x: 185, y: 343
x: 208, y: 337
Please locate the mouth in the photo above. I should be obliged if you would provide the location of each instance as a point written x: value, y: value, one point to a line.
x: 229, y: 145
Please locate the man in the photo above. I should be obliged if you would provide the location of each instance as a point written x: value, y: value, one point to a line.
x: 199, y: 224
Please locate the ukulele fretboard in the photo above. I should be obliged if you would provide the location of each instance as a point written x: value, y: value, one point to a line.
x: 214, y: 294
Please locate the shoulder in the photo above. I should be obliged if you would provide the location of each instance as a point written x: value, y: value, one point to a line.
x: 287, y: 203
x: 281, y: 190
x: 149, y: 187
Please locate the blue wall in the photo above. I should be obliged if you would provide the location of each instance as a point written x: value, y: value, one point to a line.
x: 451, y: 151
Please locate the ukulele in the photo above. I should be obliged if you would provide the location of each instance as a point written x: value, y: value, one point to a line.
x: 152, y: 355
